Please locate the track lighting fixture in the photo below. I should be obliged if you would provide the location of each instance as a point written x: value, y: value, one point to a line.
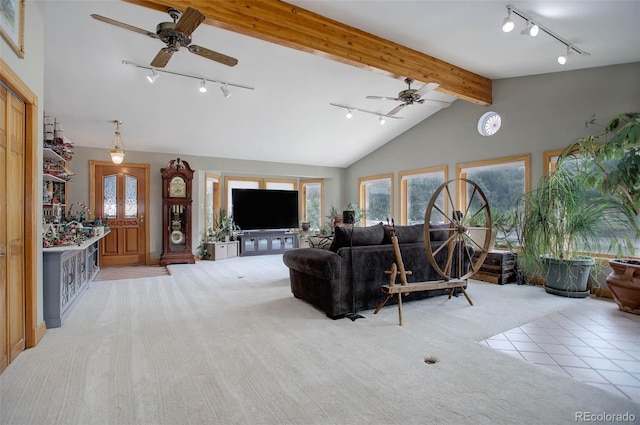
x: 351, y: 110
x: 533, y: 28
x: 116, y: 149
x: 562, y: 59
x: 153, y: 76
x: 507, y: 24
x: 225, y: 91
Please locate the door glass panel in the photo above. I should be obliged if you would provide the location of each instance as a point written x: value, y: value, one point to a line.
x: 110, y: 193
x: 131, y: 196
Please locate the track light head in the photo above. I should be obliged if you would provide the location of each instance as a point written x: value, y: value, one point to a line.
x: 534, y: 30
x: 153, y: 76
x: 507, y: 24
x: 225, y: 91
x: 203, y: 86
x: 349, y: 113
x: 562, y: 59
x: 531, y: 29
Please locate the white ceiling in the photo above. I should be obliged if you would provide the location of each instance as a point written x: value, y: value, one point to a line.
x: 287, y: 118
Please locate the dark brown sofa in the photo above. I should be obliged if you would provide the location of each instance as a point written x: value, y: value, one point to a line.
x: 357, y: 259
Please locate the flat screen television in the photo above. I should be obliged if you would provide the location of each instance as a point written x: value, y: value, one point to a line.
x: 262, y: 209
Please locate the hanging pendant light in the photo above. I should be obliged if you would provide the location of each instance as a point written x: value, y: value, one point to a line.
x: 116, y: 150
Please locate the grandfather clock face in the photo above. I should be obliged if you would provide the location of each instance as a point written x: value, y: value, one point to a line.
x: 177, y: 187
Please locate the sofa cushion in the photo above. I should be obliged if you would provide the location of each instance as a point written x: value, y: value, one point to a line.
x: 405, y: 234
x: 322, y: 242
x: 357, y: 236
x: 439, y: 235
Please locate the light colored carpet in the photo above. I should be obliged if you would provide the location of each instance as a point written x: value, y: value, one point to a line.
x: 225, y: 342
x: 129, y: 272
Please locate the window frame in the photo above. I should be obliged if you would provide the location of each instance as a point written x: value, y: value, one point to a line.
x: 460, y: 187
x: 303, y: 198
x: 403, y: 188
x: 216, y: 200
x: 363, y: 181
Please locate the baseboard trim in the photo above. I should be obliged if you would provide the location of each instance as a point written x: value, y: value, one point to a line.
x: 37, y: 334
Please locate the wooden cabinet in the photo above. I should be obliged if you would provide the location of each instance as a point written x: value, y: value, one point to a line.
x: 259, y: 243
x: 67, y: 272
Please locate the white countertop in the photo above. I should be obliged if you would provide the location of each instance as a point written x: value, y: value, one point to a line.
x: 84, y: 245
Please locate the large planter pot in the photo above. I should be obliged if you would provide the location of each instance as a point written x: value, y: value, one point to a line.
x: 567, y: 278
x: 624, y: 283
x: 478, y: 235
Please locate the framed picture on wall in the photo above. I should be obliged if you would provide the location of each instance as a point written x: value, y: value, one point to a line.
x: 12, y: 24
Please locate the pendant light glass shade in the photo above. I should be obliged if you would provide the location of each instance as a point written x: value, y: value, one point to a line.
x: 116, y: 150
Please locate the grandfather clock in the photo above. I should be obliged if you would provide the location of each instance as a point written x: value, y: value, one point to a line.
x: 177, y: 177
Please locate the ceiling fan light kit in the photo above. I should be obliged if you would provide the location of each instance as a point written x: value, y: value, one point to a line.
x: 533, y: 28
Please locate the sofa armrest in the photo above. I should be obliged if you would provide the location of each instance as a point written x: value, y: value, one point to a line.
x: 320, y: 263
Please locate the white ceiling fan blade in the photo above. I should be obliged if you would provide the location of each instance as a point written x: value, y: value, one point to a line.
x: 427, y: 88
x: 396, y: 109
x: 384, y: 98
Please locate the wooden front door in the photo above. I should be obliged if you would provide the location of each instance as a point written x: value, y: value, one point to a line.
x: 121, y: 199
x: 12, y: 229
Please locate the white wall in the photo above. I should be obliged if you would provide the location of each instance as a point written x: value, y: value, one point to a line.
x: 79, y: 185
x: 539, y: 113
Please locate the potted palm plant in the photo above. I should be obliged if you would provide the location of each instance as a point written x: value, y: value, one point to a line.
x: 561, y: 219
x: 614, y: 156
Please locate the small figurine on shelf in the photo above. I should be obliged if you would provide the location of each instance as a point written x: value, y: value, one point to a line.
x: 81, y: 216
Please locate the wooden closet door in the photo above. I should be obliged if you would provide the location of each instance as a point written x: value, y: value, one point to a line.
x: 12, y: 232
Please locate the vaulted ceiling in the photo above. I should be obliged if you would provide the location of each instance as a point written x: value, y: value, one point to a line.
x: 300, y: 57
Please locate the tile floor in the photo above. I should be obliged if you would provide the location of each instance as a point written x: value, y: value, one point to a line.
x: 591, y: 341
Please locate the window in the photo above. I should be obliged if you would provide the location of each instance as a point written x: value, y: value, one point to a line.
x: 503, y: 181
x: 612, y: 226
x: 376, y: 198
x: 280, y: 184
x: 212, y: 199
x: 416, y: 189
x: 312, y: 200
x: 239, y: 183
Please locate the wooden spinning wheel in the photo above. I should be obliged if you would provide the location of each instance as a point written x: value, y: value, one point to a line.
x: 463, y: 239
x: 459, y: 246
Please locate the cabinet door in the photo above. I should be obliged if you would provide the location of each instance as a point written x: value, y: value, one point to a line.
x: 232, y: 249
x: 220, y: 251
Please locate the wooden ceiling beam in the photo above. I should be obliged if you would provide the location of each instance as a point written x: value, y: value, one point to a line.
x: 288, y: 25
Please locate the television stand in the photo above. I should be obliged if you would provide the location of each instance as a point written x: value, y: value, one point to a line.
x: 265, y: 242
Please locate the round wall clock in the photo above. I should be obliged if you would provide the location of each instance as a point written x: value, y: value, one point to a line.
x: 489, y: 123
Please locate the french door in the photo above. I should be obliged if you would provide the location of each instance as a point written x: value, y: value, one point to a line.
x: 121, y: 199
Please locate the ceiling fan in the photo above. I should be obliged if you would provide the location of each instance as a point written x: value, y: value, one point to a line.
x: 175, y: 34
x: 411, y: 96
